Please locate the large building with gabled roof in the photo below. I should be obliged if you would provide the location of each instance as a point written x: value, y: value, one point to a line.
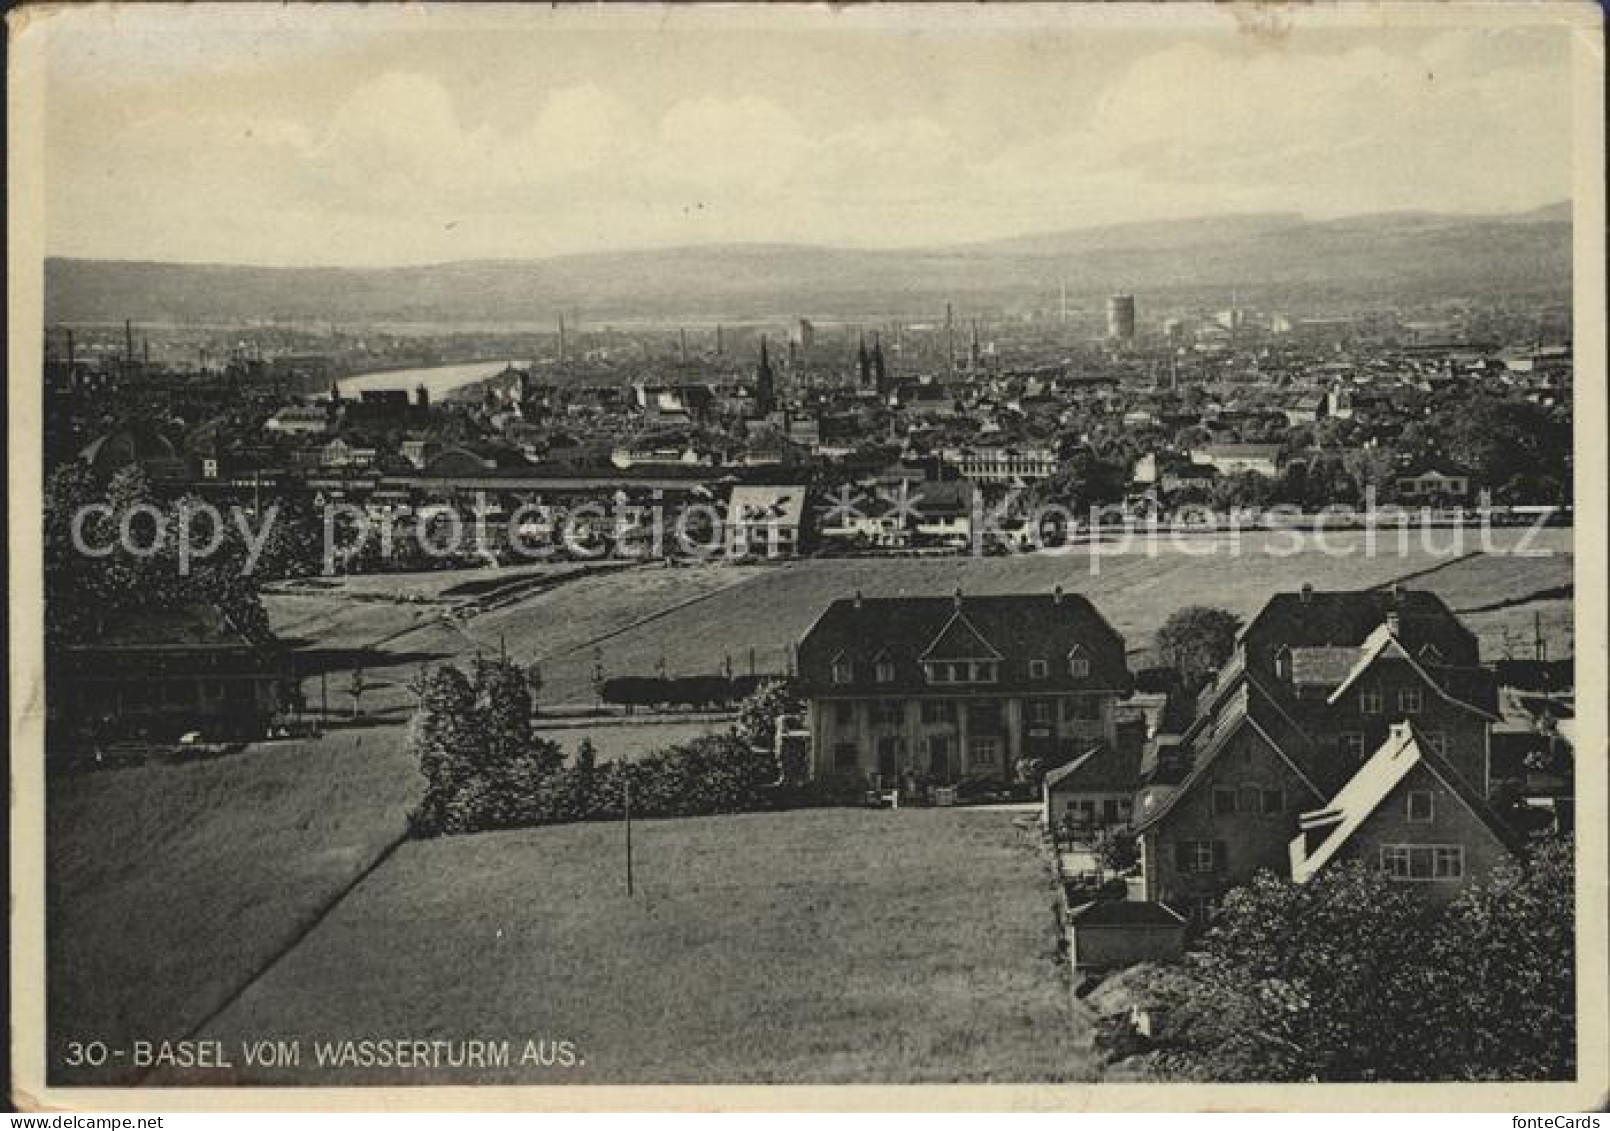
x: 1318, y: 682
x: 946, y: 689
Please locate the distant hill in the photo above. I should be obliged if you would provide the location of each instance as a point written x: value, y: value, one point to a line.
x: 1276, y: 259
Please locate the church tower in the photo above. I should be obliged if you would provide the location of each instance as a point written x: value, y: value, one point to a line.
x: 765, y: 382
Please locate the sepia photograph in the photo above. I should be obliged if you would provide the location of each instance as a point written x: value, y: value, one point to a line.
x: 596, y: 554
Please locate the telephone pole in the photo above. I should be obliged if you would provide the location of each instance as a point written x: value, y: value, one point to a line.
x: 626, y: 770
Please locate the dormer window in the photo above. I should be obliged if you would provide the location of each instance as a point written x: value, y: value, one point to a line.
x: 1431, y: 654
x: 1283, y: 662
x: 843, y: 671
x: 962, y: 671
x: 1038, y: 669
x: 1078, y: 663
x: 883, y: 671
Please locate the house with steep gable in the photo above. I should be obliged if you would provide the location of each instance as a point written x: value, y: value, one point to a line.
x: 1408, y: 813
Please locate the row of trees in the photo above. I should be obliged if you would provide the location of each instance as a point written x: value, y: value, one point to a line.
x: 681, y: 691
x: 135, y: 560
x: 485, y: 768
x: 1352, y: 977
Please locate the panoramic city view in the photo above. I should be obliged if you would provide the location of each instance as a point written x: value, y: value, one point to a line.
x: 1044, y: 554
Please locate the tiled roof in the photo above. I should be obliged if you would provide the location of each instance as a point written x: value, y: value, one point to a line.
x: 782, y: 506
x: 1323, y: 666
x: 1125, y: 913
x: 1020, y: 628
x: 1346, y: 618
x: 1103, y: 768
x: 959, y: 640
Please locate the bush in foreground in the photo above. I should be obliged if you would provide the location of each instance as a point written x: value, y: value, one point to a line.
x: 1353, y: 978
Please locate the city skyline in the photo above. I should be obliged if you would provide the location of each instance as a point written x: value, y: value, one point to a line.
x: 372, y: 140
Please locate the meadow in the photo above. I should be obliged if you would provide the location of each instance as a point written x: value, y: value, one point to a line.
x: 825, y: 946
x: 700, y: 619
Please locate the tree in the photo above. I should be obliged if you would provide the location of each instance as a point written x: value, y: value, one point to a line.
x: 1196, y: 641
x: 1503, y: 972
x: 1306, y: 981
x: 1083, y: 481
x: 1355, y: 977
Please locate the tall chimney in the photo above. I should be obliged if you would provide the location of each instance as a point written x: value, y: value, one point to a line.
x: 958, y: 597
x: 1308, y: 592
x: 128, y: 342
x: 561, y: 336
x: 1056, y: 595
x: 71, y: 357
x: 719, y: 349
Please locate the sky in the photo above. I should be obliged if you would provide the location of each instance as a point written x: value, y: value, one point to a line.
x: 361, y: 136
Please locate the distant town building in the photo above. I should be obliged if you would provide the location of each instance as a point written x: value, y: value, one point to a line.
x: 765, y: 521
x: 1002, y: 464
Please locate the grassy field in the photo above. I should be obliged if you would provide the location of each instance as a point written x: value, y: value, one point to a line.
x: 818, y: 946
x: 169, y: 886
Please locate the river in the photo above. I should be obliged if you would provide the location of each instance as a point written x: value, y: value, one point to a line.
x: 437, y: 379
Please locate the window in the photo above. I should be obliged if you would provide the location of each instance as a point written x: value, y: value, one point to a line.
x: 845, y: 759
x: 1447, y: 862
x: 1038, y: 669
x: 983, y: 671
x: 1423, y: 861
x: 1109, y: 811
x: 1369, y: 703
x: 984, y: 752
x: 1421, y: 805
x: 891, y: 712
x: 1078, y: 663
x: 1223, y: 800
x: 844, y: 714
x: 1409, y: 700
x: 1199, y: 856
x: 842, y: 671
x: 1438, y: 742
x: 1283, y: 662
x: 884, y: 671
x: 1352, y: 745
x: 938, y: 711
x: 1274, y: 802
x: 1040, y: 711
